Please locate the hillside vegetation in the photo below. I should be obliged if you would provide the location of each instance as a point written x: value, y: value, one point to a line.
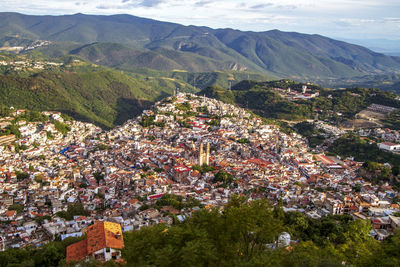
x: 130, y: 42
x: 263, y: 99
x: 95, y: 93
x: 85, y: 91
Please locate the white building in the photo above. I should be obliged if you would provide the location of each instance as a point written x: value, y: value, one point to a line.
x: 389, y: 146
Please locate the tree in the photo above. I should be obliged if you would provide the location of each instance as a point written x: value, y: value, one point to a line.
x: 15, y: 131
x: 98, y: 176
x: 39, y: 178
x: 22, y: 176
x: 147, y: 121
x: 50, y: 255
x: 396, y: 170
x: 102, y: 146
x: 253, y: 225
x: 243, y: 141
x: 17, y: 207
x: 73, y: 210
x: 61, y: 127
x: 224, y: 177
x: 203, y: 169
x: 4, y: 111
x: 309, y: 254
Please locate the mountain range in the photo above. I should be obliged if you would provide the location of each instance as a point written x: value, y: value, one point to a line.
x: 128, y: 42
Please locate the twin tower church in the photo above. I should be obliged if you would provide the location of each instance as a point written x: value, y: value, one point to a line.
x: 198, y: 156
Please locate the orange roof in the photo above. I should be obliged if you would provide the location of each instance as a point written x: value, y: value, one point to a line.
x: 10, y: 213
x: 77, y: 251
x: 133, y: 201
x: 324, y: 159
x: 258, y: 161
x: 100, y: 235
x: 104, y: 234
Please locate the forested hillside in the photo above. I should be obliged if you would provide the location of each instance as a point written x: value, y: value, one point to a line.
x: 83, y: 90
x: 129, y: 41
x: 264, y: 99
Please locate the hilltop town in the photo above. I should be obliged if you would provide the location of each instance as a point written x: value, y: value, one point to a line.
x: 188, y: 152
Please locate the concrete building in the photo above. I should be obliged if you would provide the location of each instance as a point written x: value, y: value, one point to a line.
x: 389, y: 146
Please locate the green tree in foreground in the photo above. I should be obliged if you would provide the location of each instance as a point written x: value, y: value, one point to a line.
x: 244, y: 234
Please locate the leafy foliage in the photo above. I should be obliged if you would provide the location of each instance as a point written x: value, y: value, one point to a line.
x: 243, y: 141
x: 393, y: 120
x: 62, y: 127
x: 224, y: 177
x: 11, y: 129
x: 16, y: 207
x: 309, y: 131
x: 243, y: 234
x: 22, y: 176
x: 203, y: 169
x: 177, y: 202
x: 239, y: 236
x: 51, y: 254
x: 73, y: 210
x: 147, y: 121
x: 32, y: 116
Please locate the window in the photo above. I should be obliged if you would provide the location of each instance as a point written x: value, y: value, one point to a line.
x: 118, y: 236
x: 107, y: 249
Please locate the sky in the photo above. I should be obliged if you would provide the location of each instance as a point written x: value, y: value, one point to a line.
x: 341, y: 19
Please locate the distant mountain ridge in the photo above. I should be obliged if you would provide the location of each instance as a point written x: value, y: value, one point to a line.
x: 141, y: 42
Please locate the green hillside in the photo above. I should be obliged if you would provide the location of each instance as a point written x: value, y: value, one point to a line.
x: 387, y: 82
x: 117, y: 55
x: 202, y: 80
x: 85, y: 91
x: 124, y: 57
x: 95, y: 93
x: 263, y: 99
x: 138, y: 42
x: 105, y: 98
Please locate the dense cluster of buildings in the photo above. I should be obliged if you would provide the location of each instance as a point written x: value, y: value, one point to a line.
x: 197, y: 148
x: 294, y: 95
x: 31, y: 46
x: 27, y: 64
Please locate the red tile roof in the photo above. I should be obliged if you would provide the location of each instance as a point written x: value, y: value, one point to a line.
x: 99, y: 236
x: 77, y: 251
x: 10, y: 213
